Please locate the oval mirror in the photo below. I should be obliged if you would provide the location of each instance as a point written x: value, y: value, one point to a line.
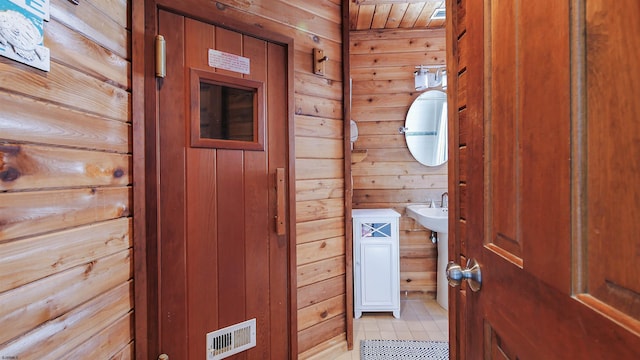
x: 425, y: 128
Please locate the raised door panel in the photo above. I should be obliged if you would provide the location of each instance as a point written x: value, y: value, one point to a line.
x: 505, y: 121
x: 611, y: 283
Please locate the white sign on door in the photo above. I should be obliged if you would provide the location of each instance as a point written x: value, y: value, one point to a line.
x: 227, y: 61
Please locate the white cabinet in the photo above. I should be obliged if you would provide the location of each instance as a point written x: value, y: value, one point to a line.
x: 376, y: 261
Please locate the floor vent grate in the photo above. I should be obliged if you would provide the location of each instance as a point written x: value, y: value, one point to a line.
x: 231, y: 340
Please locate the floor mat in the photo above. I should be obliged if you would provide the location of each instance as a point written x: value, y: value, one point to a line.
x: 403, y: 350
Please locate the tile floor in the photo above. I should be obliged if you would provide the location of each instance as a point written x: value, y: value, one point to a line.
x: 420, y: 319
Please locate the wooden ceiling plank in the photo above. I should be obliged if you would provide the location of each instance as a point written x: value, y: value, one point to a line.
x: 411, y: 15
x: 433, y: 24
x: 424, y: 19
x: 396, y: 15
x: 365, y: 16
x: 425, y: 16
x: 353, y: 15
x: 379, y: 2
x: 380, y: 16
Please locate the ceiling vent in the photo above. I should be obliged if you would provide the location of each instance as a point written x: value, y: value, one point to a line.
x: 439, y: 14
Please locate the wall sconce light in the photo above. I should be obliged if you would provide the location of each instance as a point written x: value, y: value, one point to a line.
x: 424, y: 79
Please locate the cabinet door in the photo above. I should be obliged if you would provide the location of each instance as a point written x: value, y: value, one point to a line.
x: 379, y: 262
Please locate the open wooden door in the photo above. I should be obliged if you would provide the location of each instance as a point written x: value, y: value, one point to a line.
x: 224, y: 194
x: 545, y: 158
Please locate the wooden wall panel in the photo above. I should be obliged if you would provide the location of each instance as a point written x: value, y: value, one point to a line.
x: 23, y: 119
x: 317, y: 250
x: 323, y: 17
x: 323, y: 290
x: 66, y: 246
x: 318, y: 229
x: 116, y: 10
x: 317, y: 313
x: 53, y: 297
x: 308, y: 169
x: 319, y: 189
x: 29, y: 167
x: 313, y: 106
x: 307, y: 147
x: 382, y: 64
x: 55, y: 338
x: 37, y: 212
x: 320, y: 270
x: 84, y: 102
x: 314, y: 336
x: 68, y: 87
x: 107, y: 32
x: 313, y: 85
x: 70, y: 48
x: 364, y: 42
x: 318, y: 127
x: 58, y: 251
x: 319, y: 209
x: 108, y: 343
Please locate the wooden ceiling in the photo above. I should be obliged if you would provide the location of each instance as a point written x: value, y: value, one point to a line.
x: 394, y: 14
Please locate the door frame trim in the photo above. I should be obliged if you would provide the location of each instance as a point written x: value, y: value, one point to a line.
x: 348, y: 186
x: 144, y: 25
x: 138, y: 110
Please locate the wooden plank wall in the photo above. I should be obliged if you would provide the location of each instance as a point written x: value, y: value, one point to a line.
x: 382, y: 65
x: 65, y: 191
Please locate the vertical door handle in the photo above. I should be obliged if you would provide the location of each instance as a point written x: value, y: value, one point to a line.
x: 280, y: 202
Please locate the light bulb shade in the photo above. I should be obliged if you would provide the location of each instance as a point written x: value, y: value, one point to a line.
x: 434, y: 79
x: 437, y: 78
x: 420, y: 80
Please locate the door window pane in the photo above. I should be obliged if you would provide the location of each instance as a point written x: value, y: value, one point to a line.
x: 226, y: 113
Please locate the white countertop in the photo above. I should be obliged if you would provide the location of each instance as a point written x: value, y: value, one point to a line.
x: 386, y: 213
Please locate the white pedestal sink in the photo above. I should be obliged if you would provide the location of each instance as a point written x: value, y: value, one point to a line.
x: 436, y: 219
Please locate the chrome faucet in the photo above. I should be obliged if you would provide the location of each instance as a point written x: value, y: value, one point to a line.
x: 444, y: 202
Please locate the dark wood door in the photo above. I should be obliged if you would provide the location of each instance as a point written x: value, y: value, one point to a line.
x: 223, y: 258
x: 547, y: 154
